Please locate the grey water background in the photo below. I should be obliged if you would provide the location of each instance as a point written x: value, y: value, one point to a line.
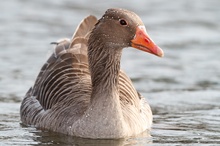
x: 183, y: 88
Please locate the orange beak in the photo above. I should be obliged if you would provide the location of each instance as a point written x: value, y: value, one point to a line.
x: 143, y: 42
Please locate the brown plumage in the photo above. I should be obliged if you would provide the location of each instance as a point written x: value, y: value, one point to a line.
x: 81, y: 90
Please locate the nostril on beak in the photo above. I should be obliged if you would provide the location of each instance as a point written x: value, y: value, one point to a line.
x: 147, y: 40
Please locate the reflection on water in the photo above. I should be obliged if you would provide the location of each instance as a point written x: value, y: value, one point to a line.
x: 183, y: 88
x: 46, y: 137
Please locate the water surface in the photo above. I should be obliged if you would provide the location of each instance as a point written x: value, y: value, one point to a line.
x: 183, y: 88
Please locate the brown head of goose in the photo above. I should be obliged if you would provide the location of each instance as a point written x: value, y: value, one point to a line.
x: 81, y: 90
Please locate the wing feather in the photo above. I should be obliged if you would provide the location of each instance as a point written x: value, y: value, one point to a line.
x: 63, y: 78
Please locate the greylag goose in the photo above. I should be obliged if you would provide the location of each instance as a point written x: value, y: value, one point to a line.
x: 81, y: 91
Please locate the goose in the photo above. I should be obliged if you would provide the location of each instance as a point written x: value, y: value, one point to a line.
x: 81, y: 90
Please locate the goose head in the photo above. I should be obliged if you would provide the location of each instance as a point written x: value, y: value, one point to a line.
x: 119, y: 28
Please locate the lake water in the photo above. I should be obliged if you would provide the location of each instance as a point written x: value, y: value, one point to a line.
x: 183, y: 88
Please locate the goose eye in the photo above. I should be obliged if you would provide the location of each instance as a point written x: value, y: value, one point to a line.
x: 123, y: 22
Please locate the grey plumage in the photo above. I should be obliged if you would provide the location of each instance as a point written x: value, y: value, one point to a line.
x: 63, y: 91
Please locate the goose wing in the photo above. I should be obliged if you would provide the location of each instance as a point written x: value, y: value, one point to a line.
x: 65, y: 78
x: 66, y: 75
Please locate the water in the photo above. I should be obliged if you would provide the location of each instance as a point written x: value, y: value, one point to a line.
x: 183, y: 88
